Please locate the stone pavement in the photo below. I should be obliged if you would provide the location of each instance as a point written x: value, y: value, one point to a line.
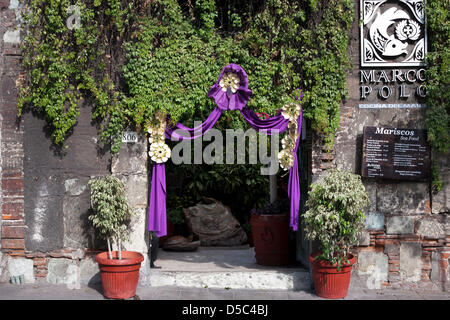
x: 357, y: 291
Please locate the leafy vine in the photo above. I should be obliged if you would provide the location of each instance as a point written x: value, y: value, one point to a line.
x: 438, y: 81
x: 131, y: 58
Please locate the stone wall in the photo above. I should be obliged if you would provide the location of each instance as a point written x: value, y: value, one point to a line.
x: 44, y: 197
x: 407, y: 241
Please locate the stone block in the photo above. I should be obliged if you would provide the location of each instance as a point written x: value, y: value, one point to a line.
x: 75, y: 187
x: 374, y: 221
x: 13, y: 4
x: 399, y: 225
x: 410, y: 261
x: 12, y: 36
x: 89, y: 271
x: 430, y: 228
x: 371, y: 189
x: 136, y: 186
x: 144, y: 272
x: 364, y: 238
x: 4, y: 272
x: 138, y: 235
x: 441, y: 200
x: 375, y: 265
x: 64, y: 271
x: 435, y: 266
x: 78, y: 230
x: 21, y: 266
x: 131, y: 159
x: 407, y: 198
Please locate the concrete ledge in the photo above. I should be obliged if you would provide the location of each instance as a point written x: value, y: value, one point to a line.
x: 265, y: 280
x: 225, y: 267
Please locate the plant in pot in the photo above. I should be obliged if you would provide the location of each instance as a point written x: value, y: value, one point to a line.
x: 271, y: 236
x: 334, y: 217
x: 119, y: 270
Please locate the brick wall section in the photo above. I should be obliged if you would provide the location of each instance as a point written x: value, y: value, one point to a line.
x: 415, y: 233
x: 12, y: 178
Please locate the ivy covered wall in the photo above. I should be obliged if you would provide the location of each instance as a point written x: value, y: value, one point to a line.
x: 131, y: 58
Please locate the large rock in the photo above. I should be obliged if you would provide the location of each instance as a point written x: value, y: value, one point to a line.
x: 214, y: 224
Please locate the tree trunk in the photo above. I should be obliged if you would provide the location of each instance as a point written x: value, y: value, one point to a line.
x: 109, y: 248
x: 119, y: 247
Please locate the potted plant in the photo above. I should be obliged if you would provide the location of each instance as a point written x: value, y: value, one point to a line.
x: 334, y: 217
x: 119, y: 270
x: 271, y: 236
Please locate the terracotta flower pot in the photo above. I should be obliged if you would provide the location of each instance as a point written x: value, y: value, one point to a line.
x: 328, y: 281
x: 119, y: 277
x: 271, y: 239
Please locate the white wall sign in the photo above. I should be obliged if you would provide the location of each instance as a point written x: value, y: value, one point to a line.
x: 129, y: 137
x: 393, y: 33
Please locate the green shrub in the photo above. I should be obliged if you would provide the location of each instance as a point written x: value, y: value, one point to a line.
x: 335, y: 214
x: 112, y: 213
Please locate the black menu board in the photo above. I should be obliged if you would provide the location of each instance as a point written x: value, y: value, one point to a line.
x: 392, y: 153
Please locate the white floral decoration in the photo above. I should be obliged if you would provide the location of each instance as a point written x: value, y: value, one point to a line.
x: 288, y: 142
x: 291, y: 111
x: 230, y: 80
x: 286, y: 159
x: 159, y: 152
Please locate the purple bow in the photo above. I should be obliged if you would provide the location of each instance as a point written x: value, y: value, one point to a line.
x: 227, y: 100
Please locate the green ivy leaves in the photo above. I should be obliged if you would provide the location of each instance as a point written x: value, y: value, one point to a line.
x: 174, y: 52
x: 438, y: 81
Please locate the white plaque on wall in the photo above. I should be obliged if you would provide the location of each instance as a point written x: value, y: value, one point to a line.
x: 393, y: 33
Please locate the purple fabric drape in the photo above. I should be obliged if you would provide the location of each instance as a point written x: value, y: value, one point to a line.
x: 237, y: 100
x: 157, y: 208
x: 224, y: 101
x: 279, y: 124
x: 193, y: 133
x: 275, y: 124
x: 294, y: 181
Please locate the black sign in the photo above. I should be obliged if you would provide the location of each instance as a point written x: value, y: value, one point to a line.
x: 392, y: 153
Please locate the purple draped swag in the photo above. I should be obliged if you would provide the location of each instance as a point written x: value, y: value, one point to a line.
x: 272, y: 125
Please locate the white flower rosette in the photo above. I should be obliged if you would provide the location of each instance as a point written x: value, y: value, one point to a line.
x: 230, y: 80
x: 159, y: 152
x: 286, y: 159
x: 288, y: 142
x: 157, y: 137
x: 291, y: 111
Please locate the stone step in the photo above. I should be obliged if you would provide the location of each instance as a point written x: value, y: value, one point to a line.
x: 234, y: 268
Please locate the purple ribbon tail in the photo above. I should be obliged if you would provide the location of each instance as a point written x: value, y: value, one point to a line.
x: 157, y: 208
x: 294, y: 184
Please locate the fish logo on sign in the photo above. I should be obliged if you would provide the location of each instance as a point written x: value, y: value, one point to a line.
x: 393, y: 33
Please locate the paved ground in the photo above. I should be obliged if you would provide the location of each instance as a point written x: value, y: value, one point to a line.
x: 237, y: 259
x: 357, y: 291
